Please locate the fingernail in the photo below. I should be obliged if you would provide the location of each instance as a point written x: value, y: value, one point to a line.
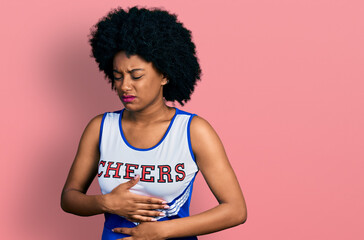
x: 164, y: 202
x: 112, y: 230
x: 136, y: 176
x: 153, y: 220
x: 162, y: 214
x: 166, y: 207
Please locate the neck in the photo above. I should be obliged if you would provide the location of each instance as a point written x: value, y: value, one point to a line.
x: 152, y: 114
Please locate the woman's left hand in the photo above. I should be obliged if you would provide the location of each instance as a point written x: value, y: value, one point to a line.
x: 144, y: 231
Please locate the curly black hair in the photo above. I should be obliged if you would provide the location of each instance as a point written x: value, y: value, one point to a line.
x: 156, y: 36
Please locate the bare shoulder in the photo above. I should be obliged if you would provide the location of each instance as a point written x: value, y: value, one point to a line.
x: 95, y: 121
x: 92, y: 130
x: 200, y: 125
x: 94, y: 124
x: 204, y: 140
x: 201, y: 129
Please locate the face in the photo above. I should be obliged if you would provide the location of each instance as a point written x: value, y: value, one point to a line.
x: 138, y: 84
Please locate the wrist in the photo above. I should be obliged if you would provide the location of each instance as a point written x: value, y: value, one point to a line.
x: 104, y: 203
x: 165, y: 231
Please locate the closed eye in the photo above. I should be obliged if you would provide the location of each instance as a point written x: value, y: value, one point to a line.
x: 132, y: 72
x: 135, y: 78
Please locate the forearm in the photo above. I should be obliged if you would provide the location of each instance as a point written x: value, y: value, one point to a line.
x: 221, y: 217
x: 78, y: 203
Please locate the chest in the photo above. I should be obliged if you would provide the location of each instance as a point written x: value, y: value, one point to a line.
x: 163, y: 174
x: 162, y: 158
x: 144, y: 137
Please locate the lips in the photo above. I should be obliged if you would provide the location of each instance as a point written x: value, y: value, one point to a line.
x: 127, y: 98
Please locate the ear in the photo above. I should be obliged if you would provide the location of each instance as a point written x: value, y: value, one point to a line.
x: 164, y: 80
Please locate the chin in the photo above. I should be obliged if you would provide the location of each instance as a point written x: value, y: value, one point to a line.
x: 132, y: 107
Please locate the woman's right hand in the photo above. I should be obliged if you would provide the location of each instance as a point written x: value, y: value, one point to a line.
x: 119, y: 201
x: 134, y: 207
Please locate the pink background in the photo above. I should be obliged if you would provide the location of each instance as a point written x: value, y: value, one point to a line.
x: 282, y: 85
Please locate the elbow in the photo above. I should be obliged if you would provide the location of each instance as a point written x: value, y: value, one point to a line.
x: 243, y: 214
x: 240, y: 215
x: 64, y: 206
x: 64, y: 203
x: 241, y: 218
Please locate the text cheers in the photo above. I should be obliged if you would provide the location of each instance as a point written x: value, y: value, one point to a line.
x: 148, y: 173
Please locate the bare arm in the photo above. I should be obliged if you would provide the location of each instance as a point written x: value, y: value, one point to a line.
x: 120, y: 201
x: 83, y: 171
x: 216, y: 169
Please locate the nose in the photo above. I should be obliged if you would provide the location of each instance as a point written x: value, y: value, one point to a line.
x: 126, y: 84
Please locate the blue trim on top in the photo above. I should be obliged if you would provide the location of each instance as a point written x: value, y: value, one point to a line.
x: 191, y: 183
x: 101, y: 130
x: 189, y: 136
x: 184, y: 211
x: 182, y: 208
x: 118, y: 111
x: 183, y: 112
x: 146, y: 149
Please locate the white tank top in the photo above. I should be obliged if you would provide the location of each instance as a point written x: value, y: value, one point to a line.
x: 167, y: 170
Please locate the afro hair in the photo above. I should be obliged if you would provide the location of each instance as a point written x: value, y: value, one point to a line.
x: 156, y: 36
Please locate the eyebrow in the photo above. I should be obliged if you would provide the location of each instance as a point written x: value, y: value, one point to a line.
x: 131, y: 71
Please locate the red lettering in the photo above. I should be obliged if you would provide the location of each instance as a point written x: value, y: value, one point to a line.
x: 164, y: 170
x: 145, y: 172
x: 128, y: 170
x: 116, y: 169
x: 102, y: 162
x: 179, y: 169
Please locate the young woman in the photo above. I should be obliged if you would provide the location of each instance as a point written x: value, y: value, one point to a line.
x: 146, y: 156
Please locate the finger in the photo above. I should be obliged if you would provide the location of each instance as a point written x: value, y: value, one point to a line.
x: 140, y: 218
x: 132, y: 182
x: 150, y: 200
x: 144, y: 206
x: 145, y: 216
x: 147, y: 213
x: 128, y: 231
x: 131, y: 220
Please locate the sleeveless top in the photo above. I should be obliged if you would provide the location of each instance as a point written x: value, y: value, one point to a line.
x: 167, y: 170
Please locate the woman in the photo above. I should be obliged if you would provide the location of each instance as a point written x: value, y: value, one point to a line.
x: 146, y: 156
